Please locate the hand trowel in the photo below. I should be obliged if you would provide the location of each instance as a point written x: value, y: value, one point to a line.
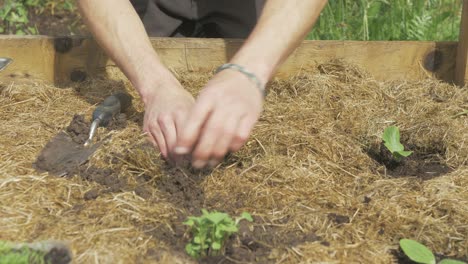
x: 71, y: 148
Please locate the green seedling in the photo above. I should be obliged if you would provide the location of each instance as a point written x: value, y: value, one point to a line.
x: 391, y: 138
x: 210, y: 232
x: 419, y: 253
x: 20, y: 254
x: 41, y: 252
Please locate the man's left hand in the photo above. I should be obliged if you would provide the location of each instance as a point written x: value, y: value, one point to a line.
x: 221, y: 119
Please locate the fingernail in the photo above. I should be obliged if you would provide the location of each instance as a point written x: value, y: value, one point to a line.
x: 181, y: 150
x: 199, y: 164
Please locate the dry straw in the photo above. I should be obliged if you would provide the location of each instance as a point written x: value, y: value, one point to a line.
x: 305, y: 160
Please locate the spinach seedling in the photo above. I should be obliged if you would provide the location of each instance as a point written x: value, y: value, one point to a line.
x: 419, y: 253
x: 391, y: 138
x: 210, y: 232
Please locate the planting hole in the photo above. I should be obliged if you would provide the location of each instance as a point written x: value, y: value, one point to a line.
x: 424, y: 164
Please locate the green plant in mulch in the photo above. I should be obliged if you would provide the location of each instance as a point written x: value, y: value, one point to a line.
x: 210, y: 232
x: 419, y: 253
x: 14, y: 14
x: 391, y: 138
x: 9, y: 254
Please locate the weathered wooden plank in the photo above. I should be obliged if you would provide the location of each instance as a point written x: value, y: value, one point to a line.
x: 74, y: 59
x: 461, y: 71
x: 33, y: 58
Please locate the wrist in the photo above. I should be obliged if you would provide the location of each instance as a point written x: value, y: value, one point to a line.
x: 253, y: 78
x: 153, y: 84
x: 152, y: 80
x: 262, y: 71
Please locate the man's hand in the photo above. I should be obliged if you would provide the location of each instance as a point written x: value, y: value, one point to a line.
x: 221, y: 119
x: 165, y: 111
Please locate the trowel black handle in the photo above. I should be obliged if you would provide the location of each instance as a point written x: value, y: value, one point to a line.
x: 112, y: 106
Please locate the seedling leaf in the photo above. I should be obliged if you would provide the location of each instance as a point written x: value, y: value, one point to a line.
x: 247, y: 216
x: 216, y: 246
x: 210, y: 232
x: 417, y: 252
x: 189, y: 248
x: 216, y: 217
x: 230, y: 228
x: 189, y: 222
x: 451, y: 261
x: 391, y: 138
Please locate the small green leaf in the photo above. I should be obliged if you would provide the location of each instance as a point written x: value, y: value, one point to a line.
x: 417, y: 252
x: 229, y: 228
x: 216, y: 246
x: 217, y: 217
x: 191, y: 251
x: 189, y: 222
x: 451, y: 261
x: 247, y: 216
x: 20, y: 32
x: 197, y: 240
x: 391, y: 138
x: 219, y: 233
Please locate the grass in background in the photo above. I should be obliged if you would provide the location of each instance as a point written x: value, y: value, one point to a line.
x: 340, y: 20
x: 389, y: 20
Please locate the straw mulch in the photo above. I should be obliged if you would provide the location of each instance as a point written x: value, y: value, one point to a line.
x: 305, y: 171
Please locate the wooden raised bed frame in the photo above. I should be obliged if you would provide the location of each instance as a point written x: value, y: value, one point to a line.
x: 61, y: 60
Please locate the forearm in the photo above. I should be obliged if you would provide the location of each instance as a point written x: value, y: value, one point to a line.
x: 280, y: 29
x: 120, y: 32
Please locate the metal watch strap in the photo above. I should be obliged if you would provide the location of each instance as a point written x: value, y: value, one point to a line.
x: 248, y: 74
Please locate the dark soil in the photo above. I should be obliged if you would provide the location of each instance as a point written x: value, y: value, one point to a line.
x: 423, y: 164
x: 338, y: 219
x: 119, y: 122
x: 65, y: 155
x: 182, y: 190
x: 60, y: 23
x: 91, y: 194
x: 78, y: 129
x: 58, y: 256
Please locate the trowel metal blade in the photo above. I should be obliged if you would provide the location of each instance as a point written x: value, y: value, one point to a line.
x: 62, y: 156
x: 4, y: 62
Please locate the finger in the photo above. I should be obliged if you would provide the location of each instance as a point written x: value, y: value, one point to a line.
x: 179, y: 119
x: 159, y: 138
x: 246, y: 125
x: 224, y: 140
x: 150, y: 137
x: 215, y: 128
x: 190, y: 132
x: 168, y: 130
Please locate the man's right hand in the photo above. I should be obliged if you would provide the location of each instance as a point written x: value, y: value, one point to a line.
x: 166, y: 108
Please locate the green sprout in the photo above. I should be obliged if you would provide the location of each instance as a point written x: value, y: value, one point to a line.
x: 210, y: 232
x: 12, y: 254
x: 391, y: 138
x: 419, y: 253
